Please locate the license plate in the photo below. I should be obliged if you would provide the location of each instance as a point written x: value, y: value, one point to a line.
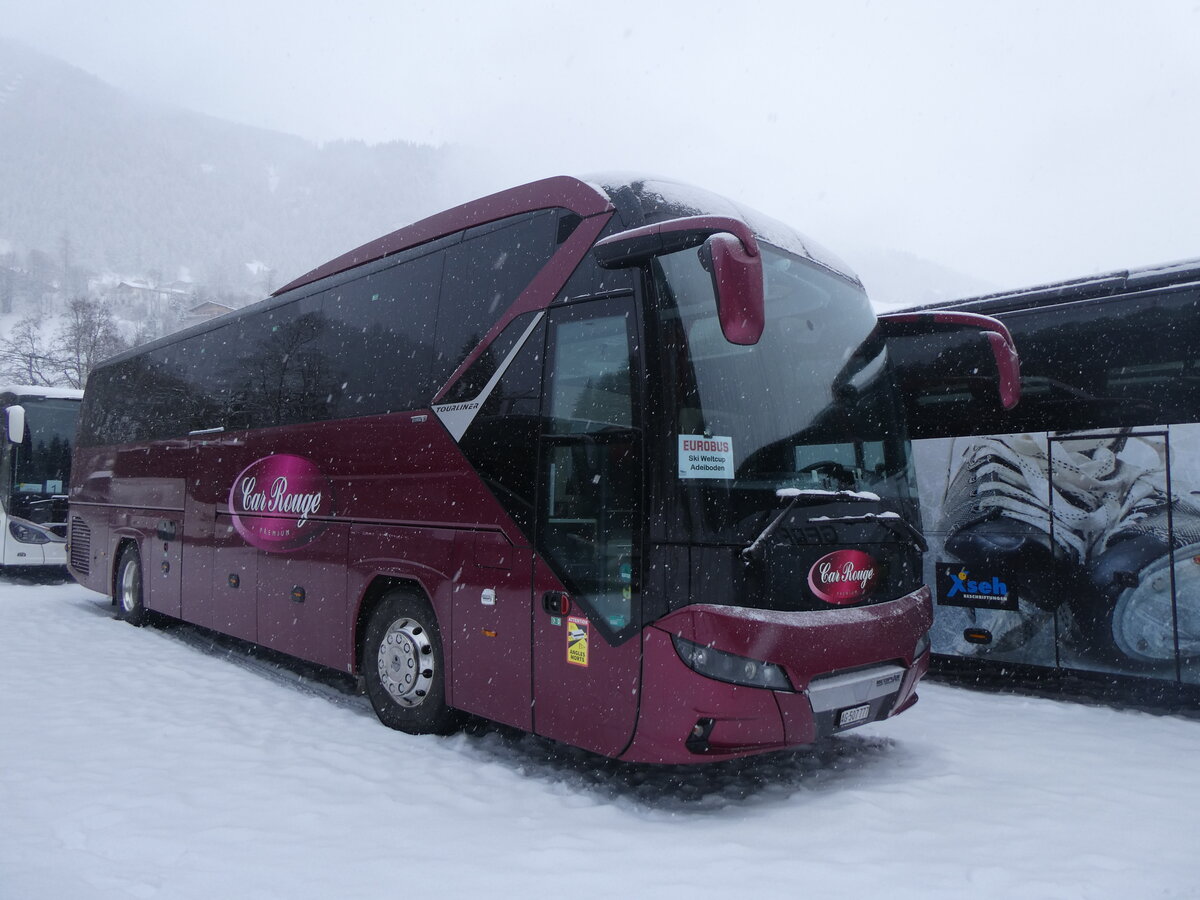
x: 853, y: 715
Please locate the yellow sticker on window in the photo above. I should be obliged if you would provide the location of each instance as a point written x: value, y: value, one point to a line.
x: 577, y: 640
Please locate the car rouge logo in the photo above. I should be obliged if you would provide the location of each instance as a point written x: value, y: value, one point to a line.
x: 843, y: 577
x: 276, y: 499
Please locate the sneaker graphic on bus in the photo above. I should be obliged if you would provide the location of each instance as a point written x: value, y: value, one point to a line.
x: 1152, y: 553
x: 1084, y: 525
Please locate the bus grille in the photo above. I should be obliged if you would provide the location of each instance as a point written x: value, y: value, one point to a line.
x: 81, y: 546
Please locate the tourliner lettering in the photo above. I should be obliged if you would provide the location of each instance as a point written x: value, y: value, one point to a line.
x: 279, y: 499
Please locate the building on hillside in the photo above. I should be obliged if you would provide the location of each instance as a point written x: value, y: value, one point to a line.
x: 143, y: 299
x: 202, y: 312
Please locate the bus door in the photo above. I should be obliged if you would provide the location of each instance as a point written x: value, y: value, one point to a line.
x: 1111, y: 515
x: 586, y: 602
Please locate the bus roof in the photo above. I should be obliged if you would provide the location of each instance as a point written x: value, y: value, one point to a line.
x: 563, y: 191
x: 50, y: 393
x: 1091, y: 287
x: 639, y: 200
x: 648, y: 201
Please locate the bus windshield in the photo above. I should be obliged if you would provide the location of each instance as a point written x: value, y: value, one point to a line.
x: 42, y: 463
x: 811, y: 406
x: 39, y: 468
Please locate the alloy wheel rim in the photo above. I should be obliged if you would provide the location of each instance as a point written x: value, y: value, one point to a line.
x: 406, y: 663
x: 129, y: 587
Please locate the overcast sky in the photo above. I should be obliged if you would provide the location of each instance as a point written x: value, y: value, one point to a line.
x: 1013, y: 141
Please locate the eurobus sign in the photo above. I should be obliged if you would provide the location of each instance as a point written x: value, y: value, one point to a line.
x: 275, y: 500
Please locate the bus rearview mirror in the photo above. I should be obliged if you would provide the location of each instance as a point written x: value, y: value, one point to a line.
x: 1008, y: 368
x: 997, y: 336
x: 728, y: 250
x: 15, y: 422
x: 738, y: 285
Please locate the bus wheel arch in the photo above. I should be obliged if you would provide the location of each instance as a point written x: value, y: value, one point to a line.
x: 379, y: 588
x: 402, y: 660
x: 129, y: 584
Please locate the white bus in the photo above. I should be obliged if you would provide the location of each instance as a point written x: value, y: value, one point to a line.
x: 35, y: 470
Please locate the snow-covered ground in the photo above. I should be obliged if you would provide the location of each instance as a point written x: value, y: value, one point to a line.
x: 162, y: 763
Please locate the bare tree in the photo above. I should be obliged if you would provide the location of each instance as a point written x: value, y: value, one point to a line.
x: 26, y: 357
x: 87, y: 335
x: 7, y: 281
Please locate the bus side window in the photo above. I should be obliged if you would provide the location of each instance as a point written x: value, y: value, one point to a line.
x: 501, y: 442
x: 376, y: 342
x: 278, y: 371
x: 1154, y: 376
x: 483, y: 276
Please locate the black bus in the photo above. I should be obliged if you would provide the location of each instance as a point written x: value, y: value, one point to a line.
x: 1065, y: 533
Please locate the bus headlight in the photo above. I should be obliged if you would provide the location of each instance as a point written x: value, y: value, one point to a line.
x: 729, y: 667
x: 26, y: 533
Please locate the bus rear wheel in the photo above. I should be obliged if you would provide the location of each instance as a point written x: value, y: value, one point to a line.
x: 403, y: 666
x: 130, y: 606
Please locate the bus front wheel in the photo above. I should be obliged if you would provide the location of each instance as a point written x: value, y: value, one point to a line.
x: 129, y: 587
x: 403, y: 666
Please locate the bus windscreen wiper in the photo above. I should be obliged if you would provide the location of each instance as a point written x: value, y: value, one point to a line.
x: 893, y: 522
x: 753, y: 551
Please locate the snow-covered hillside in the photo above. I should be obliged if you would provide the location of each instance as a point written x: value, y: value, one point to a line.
x: 165, y: 763
x: 96, y: 183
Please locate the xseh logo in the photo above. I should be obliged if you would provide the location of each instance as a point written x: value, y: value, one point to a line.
x: 960, y: 585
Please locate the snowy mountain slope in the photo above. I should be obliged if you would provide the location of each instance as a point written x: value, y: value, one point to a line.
x: 161, y: 763
x: 111, y: 182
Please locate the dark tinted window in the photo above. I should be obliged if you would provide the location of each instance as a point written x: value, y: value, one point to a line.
x: 277, y: 369
x: 1115, y: 362
x: 359, y: 349
x: 1111, y: 362
x: 589, y: 279
x: 378, y: 331
x: 136, y: 400
x: 371, y: 345
x: 484, y: 275
x: 503, y: 438
x: 187, y: 398
x: 475, y: 378
x: 102, y: 409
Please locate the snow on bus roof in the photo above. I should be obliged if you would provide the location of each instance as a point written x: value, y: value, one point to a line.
x: 50, y: 393
x: 661, y: 199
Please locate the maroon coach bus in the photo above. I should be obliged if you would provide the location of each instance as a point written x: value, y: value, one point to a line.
x: 618, y: 464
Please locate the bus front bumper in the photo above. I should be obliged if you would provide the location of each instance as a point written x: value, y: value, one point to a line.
x: 847, y: 667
